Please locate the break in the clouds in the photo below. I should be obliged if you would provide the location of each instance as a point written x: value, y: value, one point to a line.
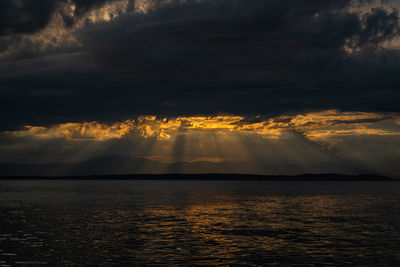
x: 329, y: 141
x: 107, y: 71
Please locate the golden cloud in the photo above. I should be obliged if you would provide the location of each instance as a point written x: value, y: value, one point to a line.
x: 75, y: 131
x: 315, y: 126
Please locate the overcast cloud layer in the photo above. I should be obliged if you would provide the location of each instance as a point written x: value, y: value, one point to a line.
x: 72, y: 60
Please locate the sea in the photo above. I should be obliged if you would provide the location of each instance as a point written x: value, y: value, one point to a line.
x: 199, y: 223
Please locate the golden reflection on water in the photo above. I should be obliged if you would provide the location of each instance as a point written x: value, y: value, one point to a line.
x: 202, y: 228
x: 232, y: 230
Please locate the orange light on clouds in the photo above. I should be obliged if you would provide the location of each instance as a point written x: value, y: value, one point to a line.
x: 315, y: 126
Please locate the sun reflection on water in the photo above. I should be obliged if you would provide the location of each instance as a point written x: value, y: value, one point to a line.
x: 143, y: 224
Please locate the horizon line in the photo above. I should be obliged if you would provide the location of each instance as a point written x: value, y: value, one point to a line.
x: 209, y: 177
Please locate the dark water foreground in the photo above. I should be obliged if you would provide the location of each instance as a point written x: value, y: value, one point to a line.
x: 199, y: 223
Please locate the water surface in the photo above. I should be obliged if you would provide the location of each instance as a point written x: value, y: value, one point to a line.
x: 199, y: 223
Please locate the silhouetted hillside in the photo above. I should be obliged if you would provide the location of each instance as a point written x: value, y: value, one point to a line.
x: 211, y: 176
x: 114, y: 165
x: 119, y: 167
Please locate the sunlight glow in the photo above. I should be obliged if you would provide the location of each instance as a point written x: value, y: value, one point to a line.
x: 314, y: 126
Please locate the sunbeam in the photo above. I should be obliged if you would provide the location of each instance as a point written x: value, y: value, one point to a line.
x: 177, y: 153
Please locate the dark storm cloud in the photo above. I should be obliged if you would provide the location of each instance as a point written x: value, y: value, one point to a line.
x: 379, y: 26
x: 25, y: 16
x: 205, y: 57
x: 30, y: 16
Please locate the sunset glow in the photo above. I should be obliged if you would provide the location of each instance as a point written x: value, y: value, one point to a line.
x: 261, y: 86
x: 199, y: 132
x: 316, y: 126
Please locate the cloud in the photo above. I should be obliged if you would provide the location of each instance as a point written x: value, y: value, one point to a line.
x: 379, y: 26
x: 25, y: 16
x: 316, y: 126
x: 299, y: 85
x: 108, y: 61
x: 31, y: 16
x: 325, y: 141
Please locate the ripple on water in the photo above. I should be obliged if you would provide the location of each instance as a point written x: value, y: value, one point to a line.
x: 140, y: 227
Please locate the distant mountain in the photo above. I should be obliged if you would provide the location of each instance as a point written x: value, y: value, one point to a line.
x: 215, y: 176
x: 120, y: 167
x: 114, y: 165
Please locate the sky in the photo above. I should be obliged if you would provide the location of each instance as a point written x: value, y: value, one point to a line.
x: 272, y: 86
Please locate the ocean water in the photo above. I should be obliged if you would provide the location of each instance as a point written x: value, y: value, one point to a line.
x: 195, y: 223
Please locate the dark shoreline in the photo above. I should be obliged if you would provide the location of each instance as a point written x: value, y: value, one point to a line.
x: 209, y: 177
